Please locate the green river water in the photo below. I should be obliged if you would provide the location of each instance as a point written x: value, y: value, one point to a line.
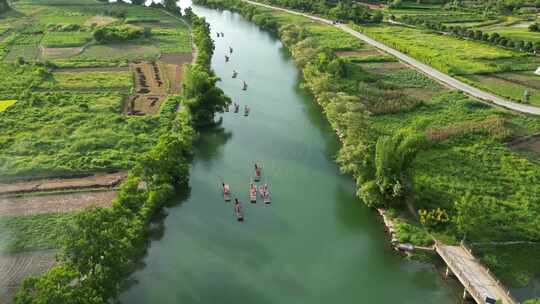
x: 316, y: 243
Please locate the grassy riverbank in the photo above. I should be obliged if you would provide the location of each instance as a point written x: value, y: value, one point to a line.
x: 412, y: 144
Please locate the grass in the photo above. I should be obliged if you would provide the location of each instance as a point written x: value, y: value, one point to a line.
x: 28, y: 52
x: 90, y: 80
x: 4, y: 104
x: 23, y: 233
x: 65, y: 39
x: 172, y: 40
x: 16, y: 79
x: 515, y: 265
x: 508, y: 88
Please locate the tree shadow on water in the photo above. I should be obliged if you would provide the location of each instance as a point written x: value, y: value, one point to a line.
x: 210, y: 143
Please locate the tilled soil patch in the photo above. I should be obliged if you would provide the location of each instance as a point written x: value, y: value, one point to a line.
x: 382, y: 67
x: 531, y: 143
x: 58, y: 53
x: 14, y: 268
x: 150, y: 89
x: 54, y: 203
x: 176, y: 58
x: 359, y: 53
x: 98, y: 180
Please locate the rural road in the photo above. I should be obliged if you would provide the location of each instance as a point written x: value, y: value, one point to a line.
x: 426, y: 69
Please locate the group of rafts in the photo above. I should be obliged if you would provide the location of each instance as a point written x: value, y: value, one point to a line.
x: 254, y: 192
x: 236, y: 107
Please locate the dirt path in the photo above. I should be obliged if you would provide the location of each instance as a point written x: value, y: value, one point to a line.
x: 56, y: 203
x: 423, y: 68
x: 14, y: 268
x: 99, y: 180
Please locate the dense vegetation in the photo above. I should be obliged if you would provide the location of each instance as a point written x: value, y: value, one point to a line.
x: 120, y: 33
x: 438, y: 152
x: 4, y: 6
x: 102, y: 245
x: 343, y: 10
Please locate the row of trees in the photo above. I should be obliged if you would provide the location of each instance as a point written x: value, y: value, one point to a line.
x: 492, y: 38
x: 102, y: 245
x: 343, y: 10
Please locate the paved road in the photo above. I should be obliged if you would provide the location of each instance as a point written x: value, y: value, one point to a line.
x: 478, y: 282
x: 444, y: 78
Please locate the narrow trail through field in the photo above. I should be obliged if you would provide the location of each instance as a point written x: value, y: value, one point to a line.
x: 428, y: 70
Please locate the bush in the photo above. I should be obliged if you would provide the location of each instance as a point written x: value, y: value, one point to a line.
x: 120, y: 33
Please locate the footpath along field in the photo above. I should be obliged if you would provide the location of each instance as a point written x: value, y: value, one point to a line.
x: 415, y: 145
x: 70, y: 69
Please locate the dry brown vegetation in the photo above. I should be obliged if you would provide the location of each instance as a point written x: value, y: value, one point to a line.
x: 54, y: 203
x: 494, y: 126
x: 98, y: 180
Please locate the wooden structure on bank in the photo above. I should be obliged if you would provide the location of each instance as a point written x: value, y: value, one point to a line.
x: 479, y: 283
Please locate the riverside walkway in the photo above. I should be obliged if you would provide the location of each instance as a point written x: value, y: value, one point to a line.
x: 424, y: 68
x: 477, y: 280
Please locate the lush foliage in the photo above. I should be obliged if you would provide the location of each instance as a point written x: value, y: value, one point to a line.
x: 107, y: 34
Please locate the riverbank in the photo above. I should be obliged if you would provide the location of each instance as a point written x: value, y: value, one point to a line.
x: 446, y: 152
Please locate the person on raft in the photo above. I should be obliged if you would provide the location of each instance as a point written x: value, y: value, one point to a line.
x: 226, y: 188
x: 226, y: 58
x: 230, y: 50
x: 265, y: 189
x: 246, y: 110
x: 238, y: 209
x: 257, y: 170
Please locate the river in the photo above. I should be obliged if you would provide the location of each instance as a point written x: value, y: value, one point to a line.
x: 316, y: 243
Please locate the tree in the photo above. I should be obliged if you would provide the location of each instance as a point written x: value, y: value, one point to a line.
x: 4, y: 6
x: 534, y: 27
x: 138, y: 2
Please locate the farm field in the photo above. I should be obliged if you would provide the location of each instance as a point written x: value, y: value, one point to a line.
x: 65, y: 39
x: 62, y: 115
x: 111, y: 80
x: 496, y: 70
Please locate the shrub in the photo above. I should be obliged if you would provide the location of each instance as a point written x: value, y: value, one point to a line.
x: 120, y: 33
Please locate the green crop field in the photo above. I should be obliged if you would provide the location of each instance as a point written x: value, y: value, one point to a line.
x: 90, y: 81
x: 71, y: 132
x: 65, y: 39
x: 172, y: 40
x: 504, y: 87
